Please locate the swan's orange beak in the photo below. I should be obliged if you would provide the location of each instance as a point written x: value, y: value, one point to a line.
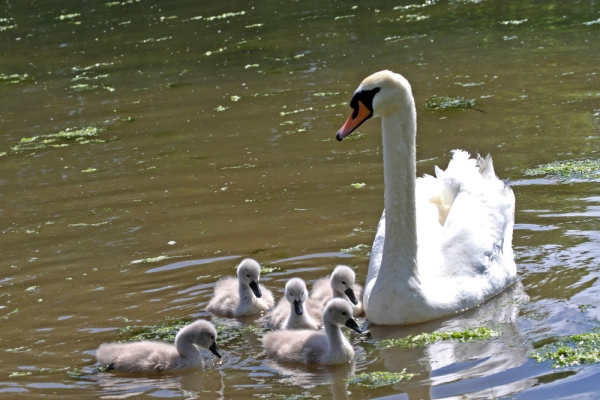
x: 354, y: 120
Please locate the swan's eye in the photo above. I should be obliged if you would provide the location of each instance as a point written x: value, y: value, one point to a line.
x: 343, y: 282
x: 344, y: 313
x: 248, y: 276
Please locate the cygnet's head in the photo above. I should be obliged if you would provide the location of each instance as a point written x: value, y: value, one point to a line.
x: 248, y: 273
x: 201, y: 333
x: 342, y: 280
x: 296, y: 293
x: 339, y: 312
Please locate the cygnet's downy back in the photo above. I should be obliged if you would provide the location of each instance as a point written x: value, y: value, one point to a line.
x: 314, y: 347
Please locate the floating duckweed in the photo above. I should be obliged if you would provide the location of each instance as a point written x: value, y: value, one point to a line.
x: 89, y: 170
x: 153, y: 259
x: 251, y: 66
x: 284, y: 113
x: 413, y: 17
x: 121, y: 3
x: 32, y: 288
x: 446, y: 103
x: 89, y: 67
x: 70, y: 18
x: 424, y: 339
x: 254, y: 26
x: 378, y: 379
x: 355, y: 136
x: 2, y: 153
x: 20, y: 349
x: 570, y: 169
x: 84, y: 224
x: 89, y: 78
x: 571, y: 350
x: 235, y: 98
x: 413, y: 6
x: 514, y: 22
x: 393, y: 39
x: 163, y: 332
x: 83, y: 86
x: 267, y: 269
x: 322, y: 94
x: 592, y: 22
x: 20, y: 373
x: 240, y: 166
x: 7, y: 21
x: 358, y: 185
x: 344, y: 17
x: 15, y: 78
x: 356, y: 249
x: 225, y: 15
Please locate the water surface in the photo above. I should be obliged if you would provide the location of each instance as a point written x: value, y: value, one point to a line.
x: 148, y: 146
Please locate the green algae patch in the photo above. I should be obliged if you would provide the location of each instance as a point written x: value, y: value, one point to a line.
x: 15, y: 78
x: 567, y: 170
x: 378, y: 379
x: 163, y: 332
x: 150, y: 260
x: 445, y: 103
x: 424, y: 339
x: 166, y: 332
x: 570, y: 351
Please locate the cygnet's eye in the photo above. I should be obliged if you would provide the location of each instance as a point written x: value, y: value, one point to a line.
x: 343, y: 282
x: 247, y: 275
x: 344, y: 313
x: 212, y: 337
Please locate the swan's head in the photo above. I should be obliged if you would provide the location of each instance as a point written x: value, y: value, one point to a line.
x: 296, y: 293
x: 380, y: 94
x: 339, y: 312
x: 248, y: 273
x: 342, y: 281
x: 201, y: 333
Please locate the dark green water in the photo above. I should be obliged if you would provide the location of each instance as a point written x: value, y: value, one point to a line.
x: 147, y: 146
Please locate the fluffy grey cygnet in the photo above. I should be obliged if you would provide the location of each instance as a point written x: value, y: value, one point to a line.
x: 316, y: 347
x: 340, y: 285
x: 153, y: 356
x: 292, y: 311
x: 241, y: 296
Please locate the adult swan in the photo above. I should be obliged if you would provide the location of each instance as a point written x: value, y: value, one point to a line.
x: 443, y: 245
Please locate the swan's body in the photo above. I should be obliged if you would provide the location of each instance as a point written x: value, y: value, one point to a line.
x: 291, y: 312
x: 443, y: 244
x: 151, y: 356
x: 340, y: 285
x: 314, y: 347
x: 241, y: 296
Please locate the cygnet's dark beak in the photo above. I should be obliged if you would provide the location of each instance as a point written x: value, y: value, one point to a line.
x: 254, y: 286
x: 298, y: 307
x: 351, y: 323
x: 350, y: 293
x: 215, y: 349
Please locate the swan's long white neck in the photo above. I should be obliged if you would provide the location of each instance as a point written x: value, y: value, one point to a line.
x: 399, y: 162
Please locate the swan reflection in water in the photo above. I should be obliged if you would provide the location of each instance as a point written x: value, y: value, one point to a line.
x: 472, y: 369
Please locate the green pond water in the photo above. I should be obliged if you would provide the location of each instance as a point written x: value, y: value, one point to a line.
x: 146, y: 147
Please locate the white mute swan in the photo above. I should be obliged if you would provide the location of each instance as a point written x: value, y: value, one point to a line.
x: 241, y: 296
x: 152, y: 356
x: 339, y: 285
x: 314, y: 347
x: 291, y: 312
x: 442, y: 245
